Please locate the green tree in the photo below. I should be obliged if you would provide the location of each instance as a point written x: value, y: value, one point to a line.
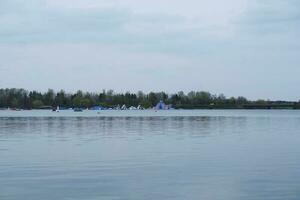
x: 152, y: 99
x: 85, y: 102
x: 15, y: 103
x: 37, y: 104
x: 49, y: 97
x: 77, y: 101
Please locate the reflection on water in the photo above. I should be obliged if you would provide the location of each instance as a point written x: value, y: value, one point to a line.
x: 150, y: 157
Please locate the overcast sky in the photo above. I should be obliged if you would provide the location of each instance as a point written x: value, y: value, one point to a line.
x: 236, y: 47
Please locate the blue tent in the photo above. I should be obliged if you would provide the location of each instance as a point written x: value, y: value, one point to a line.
x: 97, y: 108
x: 161, y: 106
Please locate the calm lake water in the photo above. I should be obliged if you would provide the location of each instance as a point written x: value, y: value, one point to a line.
x: 147, y: 155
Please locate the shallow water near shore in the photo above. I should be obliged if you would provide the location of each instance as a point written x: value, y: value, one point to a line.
x: 146, y: 155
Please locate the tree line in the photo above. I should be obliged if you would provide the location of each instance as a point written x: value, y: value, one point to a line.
x: 23, y: 99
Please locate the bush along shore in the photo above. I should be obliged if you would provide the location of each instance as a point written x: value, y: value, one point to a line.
x: 23, y: 99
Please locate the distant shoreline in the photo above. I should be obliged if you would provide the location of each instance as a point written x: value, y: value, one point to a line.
x: 17, y: 99
x: 71, y: 109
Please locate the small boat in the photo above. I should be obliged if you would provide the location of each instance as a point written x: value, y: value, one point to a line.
x: 15, y: 109
x: 56, y: 110
x: 78, y: 110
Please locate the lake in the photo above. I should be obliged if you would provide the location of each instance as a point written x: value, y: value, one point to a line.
x: 148, y: 155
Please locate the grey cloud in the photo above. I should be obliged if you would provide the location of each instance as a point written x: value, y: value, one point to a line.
x: 32, y: 22
x: 271, y: 17
x: 39, y: 24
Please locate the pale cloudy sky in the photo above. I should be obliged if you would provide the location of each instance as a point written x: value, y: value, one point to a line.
x: 236, y: 47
